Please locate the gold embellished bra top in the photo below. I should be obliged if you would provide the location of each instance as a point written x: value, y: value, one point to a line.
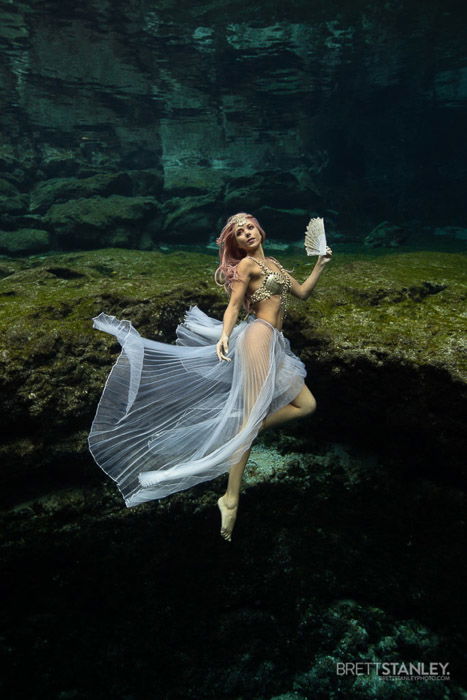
x: 273, y: 283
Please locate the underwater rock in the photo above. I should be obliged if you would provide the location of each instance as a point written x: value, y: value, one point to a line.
x: 26, y: 220
x: 386, y: 234
x: 353, y: 564
x: 309, y: 95
x: 12, y: 202
x: 46, y: 194
x: 458, y: 232
x: 8, y: 160
x: 86, y: 222
x: 186, y: 218
x: 7, y: 189
x: 147, y: 182
x: 23, y: 241
x: 60, y: 163
x: 13, y: 205
x: 382, y: 333
x: 193, y: 180
x: 350, y: 633
x: 283, y: 188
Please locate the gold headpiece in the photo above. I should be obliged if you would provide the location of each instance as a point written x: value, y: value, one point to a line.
x: 239, y: 219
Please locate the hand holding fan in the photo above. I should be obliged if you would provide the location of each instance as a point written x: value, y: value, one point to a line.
x: 315, y: 238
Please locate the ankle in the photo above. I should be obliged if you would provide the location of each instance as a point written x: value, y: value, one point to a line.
x: 229, y: 501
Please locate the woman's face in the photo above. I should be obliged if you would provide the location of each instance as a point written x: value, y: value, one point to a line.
x: 247, y: 236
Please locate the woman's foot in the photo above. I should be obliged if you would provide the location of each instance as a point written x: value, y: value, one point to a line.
x: 228, y: 515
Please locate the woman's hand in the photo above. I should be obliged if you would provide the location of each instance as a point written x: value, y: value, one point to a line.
x: 324, y: 259
x: 222, y: 348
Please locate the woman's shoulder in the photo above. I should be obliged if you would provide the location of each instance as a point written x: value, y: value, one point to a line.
x: 245, y: 264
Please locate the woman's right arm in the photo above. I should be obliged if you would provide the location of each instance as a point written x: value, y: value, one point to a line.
x: 239, y: 288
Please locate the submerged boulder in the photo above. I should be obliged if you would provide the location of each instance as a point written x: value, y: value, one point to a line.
x: 23, y: 241
x: 386, y: 235
x: 55, y: 190
x: 188, y: 218
x: 92, y: 220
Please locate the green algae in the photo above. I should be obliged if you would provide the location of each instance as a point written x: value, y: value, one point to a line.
x: 383, y: 332
x: 63, y: 292
x: 407, y: 305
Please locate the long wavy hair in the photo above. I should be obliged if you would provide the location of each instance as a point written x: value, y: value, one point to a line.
x: 229, y: 252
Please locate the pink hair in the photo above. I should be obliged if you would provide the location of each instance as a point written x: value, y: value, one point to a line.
x: 229, y: 253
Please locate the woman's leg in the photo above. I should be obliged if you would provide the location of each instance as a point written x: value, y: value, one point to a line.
x: 228, y: 503
x: 256, y: 361
x: 255, y: 357
x: 302, y: 405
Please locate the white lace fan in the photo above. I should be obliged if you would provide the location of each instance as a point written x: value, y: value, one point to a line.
x: 315, y: 238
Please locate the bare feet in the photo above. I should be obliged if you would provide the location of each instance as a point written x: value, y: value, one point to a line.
x: 228, y: 515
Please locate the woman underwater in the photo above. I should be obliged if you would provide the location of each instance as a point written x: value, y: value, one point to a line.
x: 172, y: 416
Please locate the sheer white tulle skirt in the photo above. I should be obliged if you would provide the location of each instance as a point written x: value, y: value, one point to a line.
x: 172, y: 416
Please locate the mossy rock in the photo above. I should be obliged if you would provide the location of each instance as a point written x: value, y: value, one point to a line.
x: 386, y: 235
x: 8, y: 160
x: 81, y: 222
x: 13, y: 204
x: 187, y: 217
x: 195, y: 180
x: 26, y: 240
x: 7, y: 189
x: 56, y: 190
x: 146, y: 182
x: 381, y: 337
x: 284, y: 190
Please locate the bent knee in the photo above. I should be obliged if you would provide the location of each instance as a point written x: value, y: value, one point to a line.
x: 308, y: 405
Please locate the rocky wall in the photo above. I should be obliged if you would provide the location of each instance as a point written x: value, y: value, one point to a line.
x: 135, y: 123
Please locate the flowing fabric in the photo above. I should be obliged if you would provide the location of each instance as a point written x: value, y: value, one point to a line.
x: 172, y: 416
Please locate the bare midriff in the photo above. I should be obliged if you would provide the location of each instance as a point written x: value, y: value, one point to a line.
x: 269, y: 310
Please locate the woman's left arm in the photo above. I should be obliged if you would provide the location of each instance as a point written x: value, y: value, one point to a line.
x: 303, y: 291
